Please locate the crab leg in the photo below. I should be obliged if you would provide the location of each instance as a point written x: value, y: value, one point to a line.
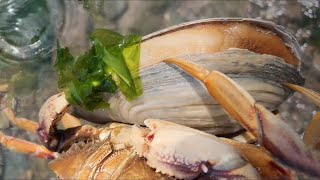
x: 262, y: 160
x: 26, y: 147
x: 245, y: 137
x: 276, y: 136
x: 311, y: 136
x: 239, y: 105
x: 22, y: 123
x: 312, y: 95
x: 3, y: 87
x: 68, y: 121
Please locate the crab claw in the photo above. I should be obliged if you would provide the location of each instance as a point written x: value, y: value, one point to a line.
x: 312, y: 95
x: 311, y: 136
x: 276, y: 136
x: 185, y: 153
x: 49, y: 115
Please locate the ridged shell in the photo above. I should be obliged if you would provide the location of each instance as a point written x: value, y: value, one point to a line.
x: 218, y: 35
x: 101, y: 161
x: 170, y: 94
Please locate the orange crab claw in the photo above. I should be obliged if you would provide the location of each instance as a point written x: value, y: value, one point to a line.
x: 312, y: 95
x: 276, y: 136
x: 239, y: 105
x: 26, y: 147
x: 261, y: 159
x: 311, y: 136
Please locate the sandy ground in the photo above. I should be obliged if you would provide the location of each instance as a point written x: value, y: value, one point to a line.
x: 143, y: 17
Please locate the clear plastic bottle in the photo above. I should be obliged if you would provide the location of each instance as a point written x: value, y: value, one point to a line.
x: 28, y: 30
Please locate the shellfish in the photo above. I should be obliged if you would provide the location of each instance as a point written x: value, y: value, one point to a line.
x: 257, y: 55
x: 260, y: 67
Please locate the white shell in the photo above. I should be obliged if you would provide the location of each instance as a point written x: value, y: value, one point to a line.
x: 171, y: 94
x: 170, y: 149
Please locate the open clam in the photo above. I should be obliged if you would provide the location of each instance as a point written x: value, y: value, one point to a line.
x: 259, y: 71
x: 258, y: 55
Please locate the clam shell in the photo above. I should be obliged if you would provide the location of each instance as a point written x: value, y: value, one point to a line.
x: 171, y: 94
x: 218, y: 35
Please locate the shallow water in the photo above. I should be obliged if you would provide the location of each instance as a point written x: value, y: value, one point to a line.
x: 35, y: 80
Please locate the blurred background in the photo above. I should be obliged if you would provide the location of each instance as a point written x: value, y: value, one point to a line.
x: 29, y: 29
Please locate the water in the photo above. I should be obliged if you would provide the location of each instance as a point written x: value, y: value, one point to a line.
x: 29, y: 29
x: 27, y: 36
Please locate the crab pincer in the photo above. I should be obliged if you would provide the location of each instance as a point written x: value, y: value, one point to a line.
x: 271, y: 132
x: 186, y: 153
x: 54, y: 110
x: 49, y: 115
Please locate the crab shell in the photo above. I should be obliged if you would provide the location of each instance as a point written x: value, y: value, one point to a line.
x: 111, y: 156
x: 164, y: 150
x: 257, y: 55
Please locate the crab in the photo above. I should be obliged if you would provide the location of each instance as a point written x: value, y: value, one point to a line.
x: 166, y: 149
